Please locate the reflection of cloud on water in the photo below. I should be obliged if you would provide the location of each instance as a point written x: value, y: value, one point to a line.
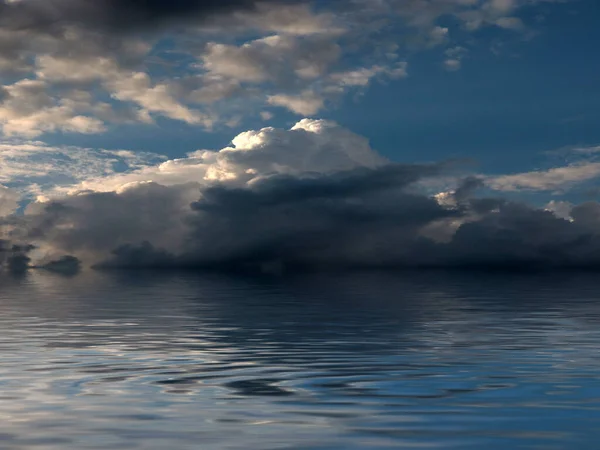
x: 287, y: 354
x: 369, y: 312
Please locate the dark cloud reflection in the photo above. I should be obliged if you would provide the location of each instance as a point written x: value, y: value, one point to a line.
x: 188, y: 359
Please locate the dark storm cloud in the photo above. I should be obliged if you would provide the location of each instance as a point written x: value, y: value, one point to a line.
x: 467, y: 187
x: 345, y: 219
x: 116, y: 15
x: 287, y: 224
x: 353, y: 219
x: 348, y: 218
x: 515, y: 235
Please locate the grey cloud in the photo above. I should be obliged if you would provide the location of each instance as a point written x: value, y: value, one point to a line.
x: 87, y: 225
x: 115, y: 15
x: 296, y: 221
x: 352, y: 219
x: 308, y: 222
x: 547, y: 180
x: 467, y: 187
x: 314, y: 197
x: 66, y: 265
x: 518, y: 236
x: 235, y: 57
x: 33, y: 168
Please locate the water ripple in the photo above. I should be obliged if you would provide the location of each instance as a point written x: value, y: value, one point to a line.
x: 109, y: 361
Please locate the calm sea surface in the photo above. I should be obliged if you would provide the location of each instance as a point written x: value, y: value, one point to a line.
x: 362, y: 361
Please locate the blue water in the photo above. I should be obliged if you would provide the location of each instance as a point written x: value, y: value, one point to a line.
x: 417, y: 360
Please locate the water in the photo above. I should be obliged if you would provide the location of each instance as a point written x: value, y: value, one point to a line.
x: 414, y: 360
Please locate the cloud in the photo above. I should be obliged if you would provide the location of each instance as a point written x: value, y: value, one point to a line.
x: 310, y: 146
x: 67, y: 78
x: 28, y: 110
x: 115, y: 15
x: 454, y: 55
x: 560, y: 209
x: 261, y: 60
x: 299, y: 73
x: 33, y: 168
x: 575, y: 167
x: 307, y: 103
x: 9, y: 201
x: 361, y: 218
x: 79, y: 79
x: 547, y: 180
x: 289, y: 18
x: 591, y: 150
x: 313, y: 197
x: 82, y: 66
x: 363, y: 76
x: 276, y: 218
x: 158, y: 98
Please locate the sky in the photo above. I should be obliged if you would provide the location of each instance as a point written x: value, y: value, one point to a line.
x: 299, y: 132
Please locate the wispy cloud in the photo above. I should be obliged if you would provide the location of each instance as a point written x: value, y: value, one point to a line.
x: 580, y: 164
x: 34, y: 168
x: 557, y: 178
